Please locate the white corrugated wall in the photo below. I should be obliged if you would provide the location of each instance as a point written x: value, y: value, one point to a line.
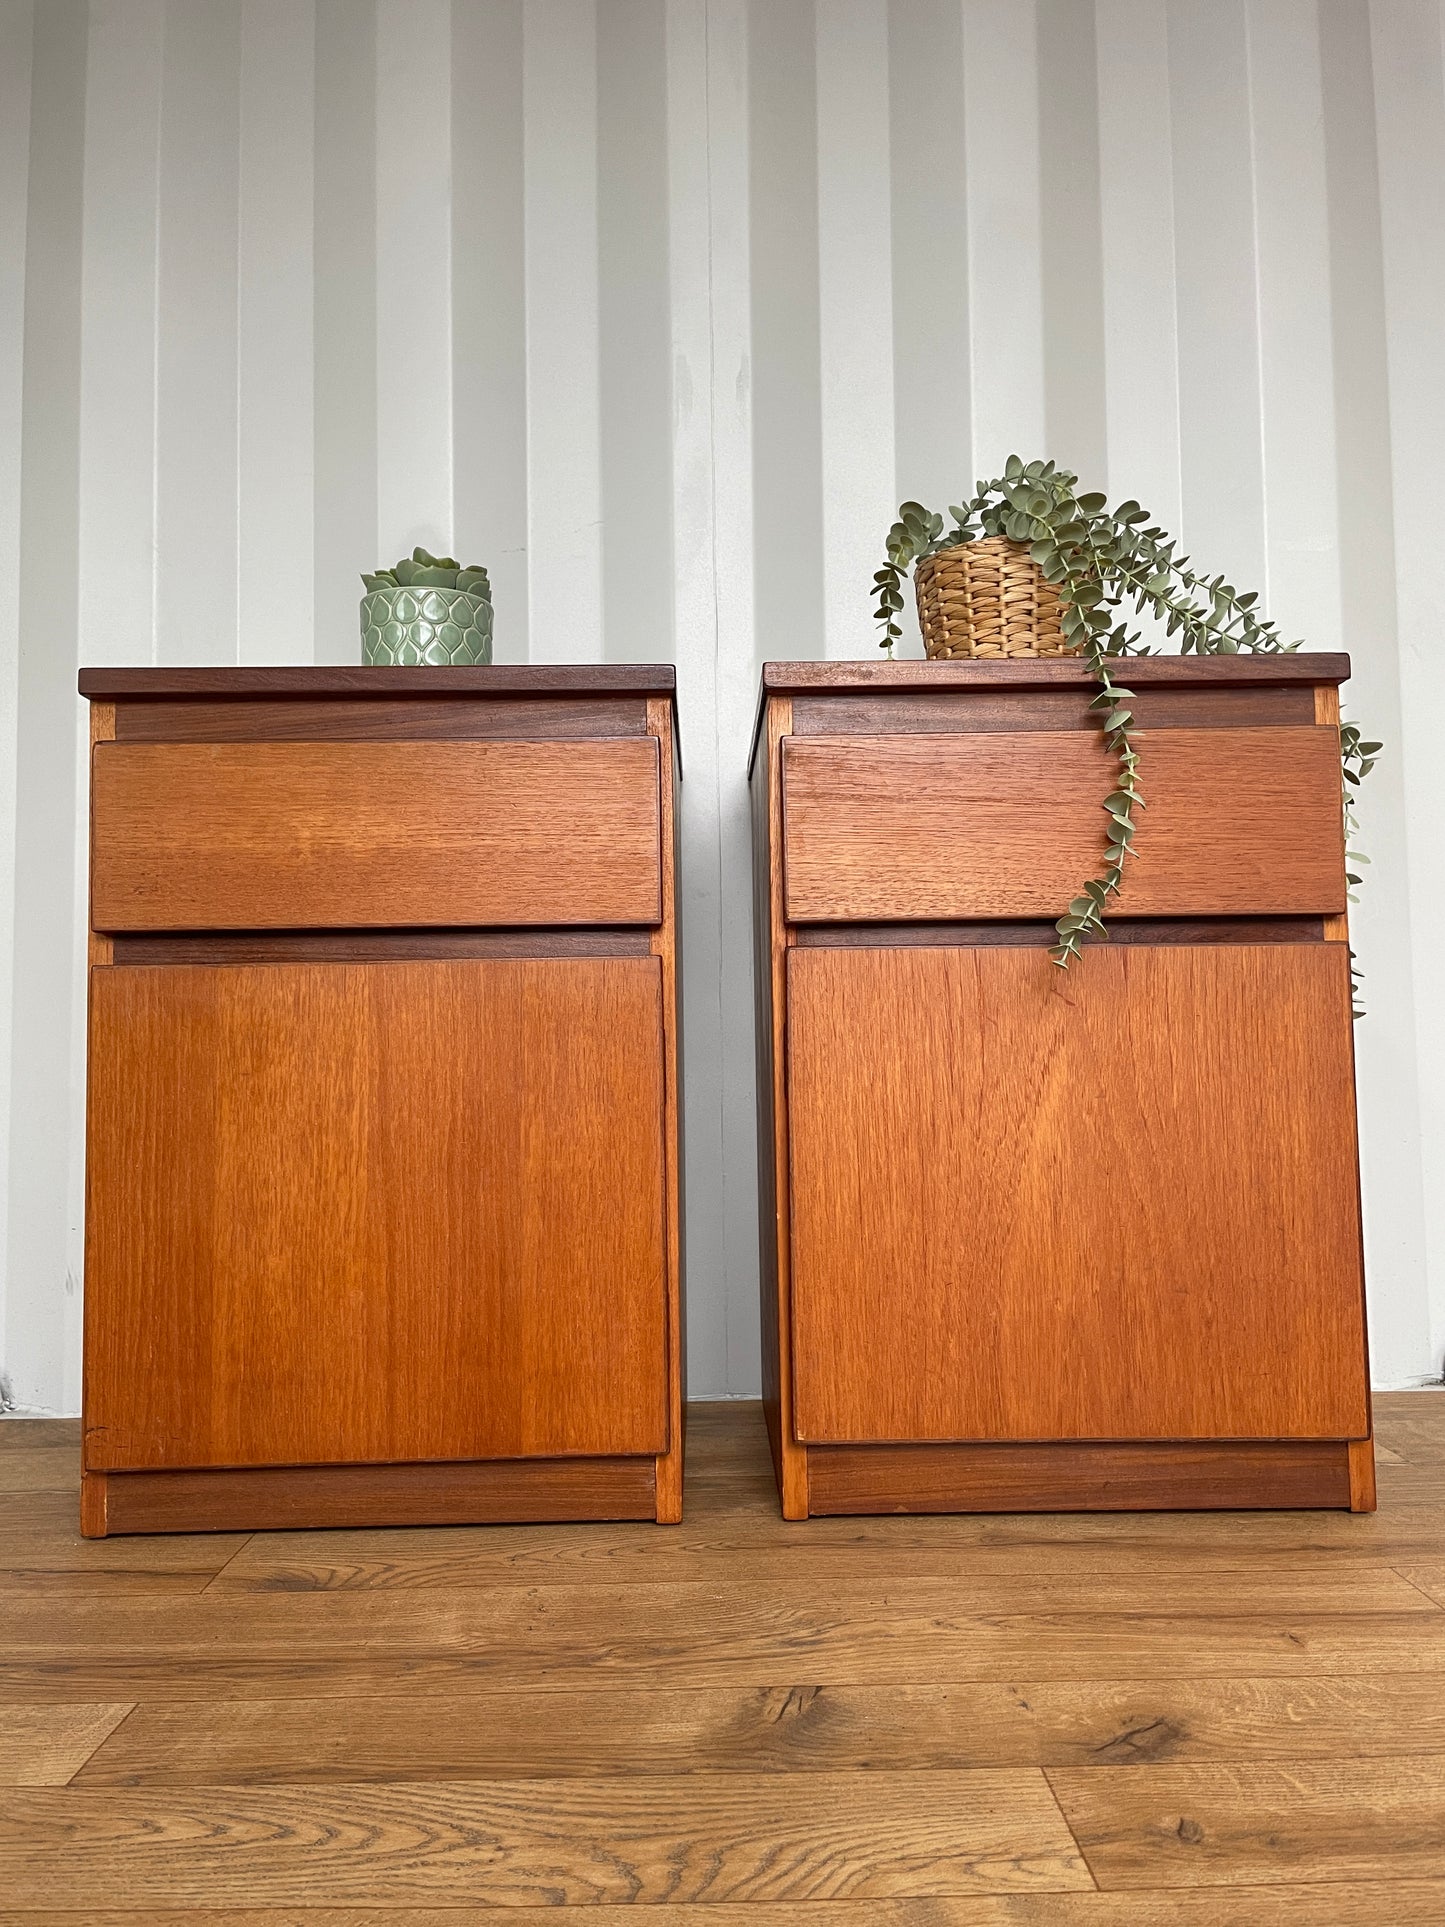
x: 658, y: 307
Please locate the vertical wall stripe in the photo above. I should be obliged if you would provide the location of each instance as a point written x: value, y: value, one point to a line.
x: 1222, y: 518
x: 489, y: 328
x: 787, y: 405
x: 1001, y: 122
x: 695, y: 627
x: 855, y: 313
x: 738, y: 659
x: 118, y: 345
x: 634, y: 336
x: 1386, y: 1069
x: 1137, y: 258
x: 928, y: 234
x: 347, y: 539
x: 276, y: 350
x: 659, y: 307
x: 42, y: 1298
x: 413, y: 276
x: 16, y: 33
x: 1410, y: 128
x: 1296, y: 404
x: 564, y: 480
x: 1075, y: 427
x: 196, y: 498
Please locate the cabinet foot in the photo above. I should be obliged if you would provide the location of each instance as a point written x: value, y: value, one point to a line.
x: 1362, y: 1475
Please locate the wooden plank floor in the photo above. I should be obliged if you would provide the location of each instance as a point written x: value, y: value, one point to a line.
x: 935, y: 1722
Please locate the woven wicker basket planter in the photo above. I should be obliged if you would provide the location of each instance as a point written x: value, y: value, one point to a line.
x: 987, y: 598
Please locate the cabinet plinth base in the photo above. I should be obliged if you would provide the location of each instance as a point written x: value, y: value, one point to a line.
x: 274, y: 1498
x: 1064, y: 1477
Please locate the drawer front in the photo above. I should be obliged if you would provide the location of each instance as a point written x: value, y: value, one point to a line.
x: 256, y: 836
x: 1240, y: 822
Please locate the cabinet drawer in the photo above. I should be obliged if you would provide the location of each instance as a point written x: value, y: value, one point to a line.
x: 254, y: 836
x: 1239, y: 822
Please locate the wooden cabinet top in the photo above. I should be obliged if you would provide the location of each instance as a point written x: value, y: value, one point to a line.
x: 896, y: 681
x: 303, y: 683
x: 1059, y: 672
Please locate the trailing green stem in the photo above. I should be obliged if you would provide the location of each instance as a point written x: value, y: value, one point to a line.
x: 1100, y: 560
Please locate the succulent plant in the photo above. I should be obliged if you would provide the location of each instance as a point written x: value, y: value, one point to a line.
x: 423, y: 570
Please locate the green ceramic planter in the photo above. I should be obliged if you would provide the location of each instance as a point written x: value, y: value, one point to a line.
x: 422, y: 625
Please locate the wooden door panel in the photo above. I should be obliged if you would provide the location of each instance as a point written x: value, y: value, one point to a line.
x: 333, y: 835
x: 375, y: 1212
x: 1119, y: 1203
x: 1009, y: 824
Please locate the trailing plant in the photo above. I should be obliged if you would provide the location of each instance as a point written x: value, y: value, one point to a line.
x: 1104, y: 562
x: 422, y: 570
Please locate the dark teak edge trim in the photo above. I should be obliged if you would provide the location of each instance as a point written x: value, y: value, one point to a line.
x: 521, y: 679
x: 272, y: 1498
x: 367, y: 946
x: 1235, y: 1475
x: 807, y: 678
x: 380, y: 719
x: 1213, y: 930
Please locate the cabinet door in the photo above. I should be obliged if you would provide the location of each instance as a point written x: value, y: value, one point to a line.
x: 1117, y: 1203
x: 372, y: 1212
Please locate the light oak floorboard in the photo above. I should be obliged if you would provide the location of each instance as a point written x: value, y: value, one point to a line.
x: 1193, y: 1826
x: 541, y: 1842
x: 313, y: 1645
x: 41, y: 1551
x: 1007, y: 1580
x: 781, y: 1729
x: 44, y: 1745
x: 736, y: 1720
x: 1366, y: 1904
x: 1411, y: 1427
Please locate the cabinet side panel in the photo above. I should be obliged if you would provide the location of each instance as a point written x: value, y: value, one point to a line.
x: 771, y: 941
x: 1117, y: 1203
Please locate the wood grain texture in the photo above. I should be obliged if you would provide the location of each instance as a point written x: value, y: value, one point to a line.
x: 219, y: 1645
x: 380, y: 719
x: 1007, y: 824
x: 816, y: 1672
x: 1077, y: 1478
x: 547, y: 1842
x: 46, y: 1745
x: 928, y: 712
x: 1193, y: 1826
x: 375, y: 1212
x: 191, y: 836
x: 41, y: 1550
x: 308, y: 682
x: 1414, y: 1903
x: 669, y: 1464
x: 868, y: 1730
x: 266, y: 1498
x: 948, y: 1109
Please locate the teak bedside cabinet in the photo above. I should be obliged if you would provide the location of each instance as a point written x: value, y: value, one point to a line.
x: 382, y: 1186
x: 1046, y: 1240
